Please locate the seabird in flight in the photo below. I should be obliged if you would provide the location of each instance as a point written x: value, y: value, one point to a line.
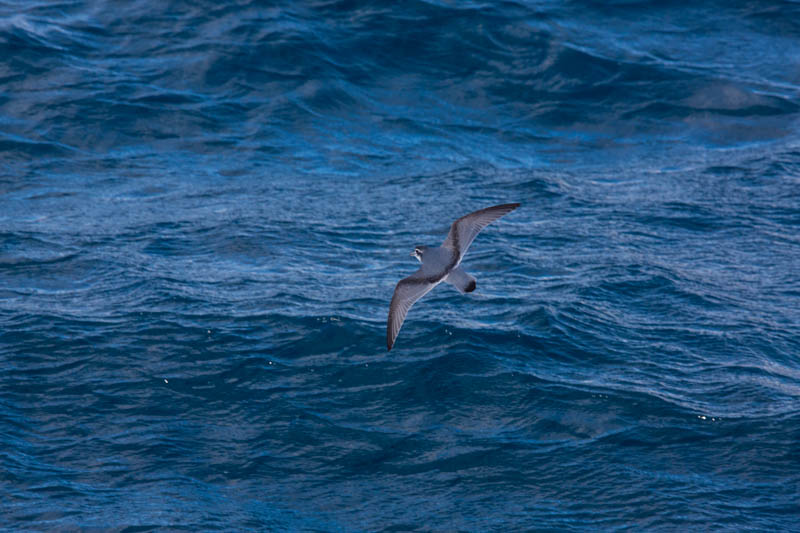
x: 440, y: 263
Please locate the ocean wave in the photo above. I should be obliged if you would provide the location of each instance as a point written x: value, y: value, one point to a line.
x: 205, y: 208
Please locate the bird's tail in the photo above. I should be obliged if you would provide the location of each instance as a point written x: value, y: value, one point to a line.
x: 461, y: 280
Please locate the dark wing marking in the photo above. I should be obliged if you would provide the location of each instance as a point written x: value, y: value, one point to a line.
x: 407, y: 292
x: 465, y: 229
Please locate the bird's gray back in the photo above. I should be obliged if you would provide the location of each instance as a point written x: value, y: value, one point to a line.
x: 437, y: 262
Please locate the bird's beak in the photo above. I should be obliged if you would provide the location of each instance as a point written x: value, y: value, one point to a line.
x: 413, y: 254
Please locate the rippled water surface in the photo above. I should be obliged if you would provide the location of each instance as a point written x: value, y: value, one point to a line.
x: 205, y: 206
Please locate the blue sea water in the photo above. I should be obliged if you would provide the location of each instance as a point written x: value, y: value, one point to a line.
x: 205, y: 206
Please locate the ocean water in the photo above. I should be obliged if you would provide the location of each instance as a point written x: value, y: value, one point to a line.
x: 205, y: 207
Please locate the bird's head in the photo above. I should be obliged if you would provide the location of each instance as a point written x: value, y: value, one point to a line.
x: 418, y: 251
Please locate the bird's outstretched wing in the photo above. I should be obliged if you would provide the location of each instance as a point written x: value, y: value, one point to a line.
x: 465, y: 229
x: 407, y: 292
